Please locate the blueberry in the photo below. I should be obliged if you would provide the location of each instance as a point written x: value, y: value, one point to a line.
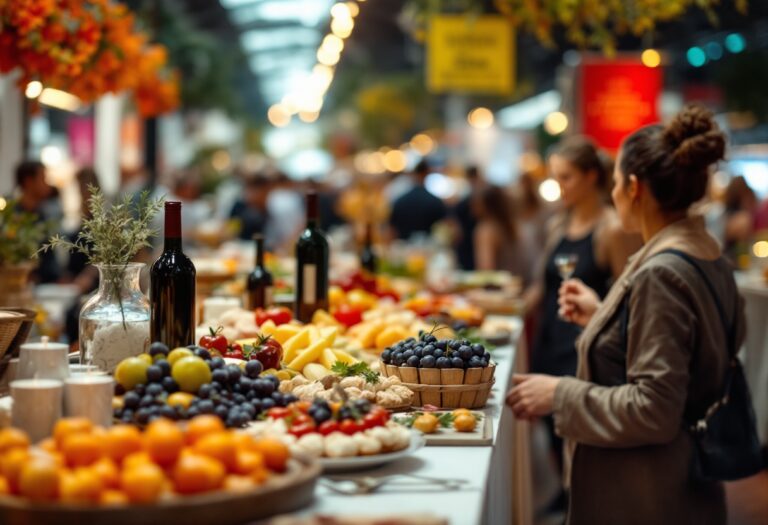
x: 267, y: 403
x: 253, y: 369
x: 475, y: 362
x: 146, y: 401
x: 246, y: 384
x: 457, y: 362
x: 290, y: 398
x: 205, y: 391
x: 216, y: 362
x: 154, y: 389
x: 165, y: 366
x: 236, y: 387
x: 321, y: 415
x: 458, y: 326
x: 220, y: 376
x: 413, y: 361
x: 363, y: 405
x: 158, y: 348
x: 263, y: 387
x: 443, y: 362
x: 154, y: 374
x: 428, y: 350
x: 168, y: 412
x: 169, y: 385
x: 427, y: 361
x: 278, y: 398
x: 439, y: 353
x: 119, y: 389
x: 442, y: 345
x: 206, y: 406
x: 131, y: 400
x: 248, y: 409
x: 478, y: 349
x: 487, y: 356
x: 429, y: 338
x: 217, y: 387
x: 345, y: 413
x: 256, y: 404
x: 386, y: 356
x: 202, y: 353
x: 483, y: 363
x: 127, y: 416
x: 465, y: 353
x: 273, y: 379
x: 234, y: 373
x: 454, y: 345
x: 239, y: 398
x: 193, y: 412
x: 418, y: 353
x: 398, y: 360
x: 142, y: 416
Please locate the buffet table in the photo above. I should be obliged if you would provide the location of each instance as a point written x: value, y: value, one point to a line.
x: 499, y: 488
x: 755, y: 351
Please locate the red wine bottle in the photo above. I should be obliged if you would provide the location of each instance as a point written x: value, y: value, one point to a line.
x: 172, y: 287
x: 312, y: 256
x: 367, y: 255
x: 260, y: 281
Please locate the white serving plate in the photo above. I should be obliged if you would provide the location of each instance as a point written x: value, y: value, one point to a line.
x: 368, y: 462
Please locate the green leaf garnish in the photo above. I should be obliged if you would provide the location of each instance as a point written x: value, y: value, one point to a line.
x: 358, y: 369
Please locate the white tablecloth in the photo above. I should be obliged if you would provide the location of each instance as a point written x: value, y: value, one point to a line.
x: 755, y: 351
x: 499, y: 488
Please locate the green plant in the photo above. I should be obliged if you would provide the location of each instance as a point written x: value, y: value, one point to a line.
x: 20, y: 234
x: 113, y: 235
x: 357, y: 369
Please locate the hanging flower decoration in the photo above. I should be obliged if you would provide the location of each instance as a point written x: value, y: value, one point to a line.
x: 88, y: 48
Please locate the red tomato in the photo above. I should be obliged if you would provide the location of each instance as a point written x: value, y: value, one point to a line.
x: 215, y: 340
x: 235, y: 351
x: 390, y: 295
x: 378, y: 415
x: 268, y: 351
x: 302, y: 429
x: 278, y: 314
x: 350, y: 426
x: 301, y: 418
x: 327, y: 427
x: 348, y: 316
x: 278, y: 412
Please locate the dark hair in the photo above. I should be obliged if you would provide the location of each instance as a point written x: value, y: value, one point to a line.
x: 582, y: 153
x: 674, y: 160
x: 26, y: 170
x: 86, y: 176
x: 735, y: 193
x: 422, y: 168
x: 472, y: 173
x: 498, y: 207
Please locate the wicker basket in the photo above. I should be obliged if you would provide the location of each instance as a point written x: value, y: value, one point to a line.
x: 27, y: 320
x: 10, y: 322
x: 445, y: 388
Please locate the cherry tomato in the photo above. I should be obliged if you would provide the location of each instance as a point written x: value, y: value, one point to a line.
x: 301, y: 418
x: 215, y: 340
x: 301, y: 429
x: 268, y: 351
x: 348, y: 316
x: 278, y: 314
x: 350, y: 426
x: 235, y: 351
x: 327, y: 427
x: 379, y: 415
x: 388, y: 295
x: 278, y: 412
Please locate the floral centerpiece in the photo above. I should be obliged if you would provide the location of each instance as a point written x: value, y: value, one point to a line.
x: 114, y: 323
x: 88, y: 48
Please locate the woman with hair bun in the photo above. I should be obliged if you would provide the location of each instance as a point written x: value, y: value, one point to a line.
x: 653, y: 354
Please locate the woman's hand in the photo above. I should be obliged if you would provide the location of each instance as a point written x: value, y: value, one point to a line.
x: 578, y: 302
x: 532, y: 396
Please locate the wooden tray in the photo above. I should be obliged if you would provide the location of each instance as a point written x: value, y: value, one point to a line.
x: 285, y: 493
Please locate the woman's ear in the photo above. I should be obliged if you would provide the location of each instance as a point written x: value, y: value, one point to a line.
x: 634, y: 188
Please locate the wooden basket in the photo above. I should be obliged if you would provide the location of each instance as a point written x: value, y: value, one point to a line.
x: 10, y: 322
x: 447, y: 387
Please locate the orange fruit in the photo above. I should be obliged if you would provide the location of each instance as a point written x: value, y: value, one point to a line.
x: 243, y: 441
x: 113, y: 497
x: 195, y: 473
x: 248, y: 461
x: 136, y: 459
x: 235, y: 483
x: 107, y: 471
x: 82, y: 485
x: 121, y: 441
x: 12, y: 463
x: 5, y: 487
x: 163, y: 440
x: 143, y: 483
x: 182, y: 399
x: 68, y: 426
x: 39, y: 480
x: 49, y: 445
x: 275, y: 453
x: 221, y: 447
x: 200, y: 426
x: 12, y: 438
x: 80, y: 449
x: 259, y: 475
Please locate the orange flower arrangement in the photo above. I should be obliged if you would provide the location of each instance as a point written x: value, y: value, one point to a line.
x: 88, y: 48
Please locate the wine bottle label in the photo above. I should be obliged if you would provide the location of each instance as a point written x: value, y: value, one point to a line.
x: 268, y: 294
x: 310, y: 284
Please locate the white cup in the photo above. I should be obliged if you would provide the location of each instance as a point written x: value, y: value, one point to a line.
x: 36, y: 406
x: 89, y: 396
x: 43, y: 360
x: 79, y: 370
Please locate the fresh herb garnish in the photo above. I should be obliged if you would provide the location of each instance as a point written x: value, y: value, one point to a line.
x: 358, y: 369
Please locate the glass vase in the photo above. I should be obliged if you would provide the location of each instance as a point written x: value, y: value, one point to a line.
x: 114, y: 323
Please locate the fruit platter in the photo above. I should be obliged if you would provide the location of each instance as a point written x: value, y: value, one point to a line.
x: 194, y: 472
x: 449, y: 428
x: 350, y: 434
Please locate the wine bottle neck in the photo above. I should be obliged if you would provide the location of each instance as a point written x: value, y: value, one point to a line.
x: 259, y: 252
x: 312, y: 210
x: 173, y: 226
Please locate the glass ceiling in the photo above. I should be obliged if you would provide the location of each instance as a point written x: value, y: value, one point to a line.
x: 281, y: 39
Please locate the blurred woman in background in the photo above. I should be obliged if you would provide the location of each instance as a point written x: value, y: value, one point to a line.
x: 499, y: 244
x: 587, y: 241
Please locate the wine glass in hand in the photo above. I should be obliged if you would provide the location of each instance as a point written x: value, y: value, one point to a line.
x: 566, y: 264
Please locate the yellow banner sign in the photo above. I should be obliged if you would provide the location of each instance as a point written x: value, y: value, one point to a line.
x: 470, y: 54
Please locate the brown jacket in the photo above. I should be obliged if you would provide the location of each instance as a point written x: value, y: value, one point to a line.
x: 629, y: 454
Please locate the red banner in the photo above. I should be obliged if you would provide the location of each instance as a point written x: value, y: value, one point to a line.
x: 616, y: 98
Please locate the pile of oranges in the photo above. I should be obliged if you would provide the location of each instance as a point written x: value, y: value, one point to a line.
x: 85, y: 464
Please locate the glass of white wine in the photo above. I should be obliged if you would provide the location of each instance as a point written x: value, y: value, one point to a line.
x: 566, y: 264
